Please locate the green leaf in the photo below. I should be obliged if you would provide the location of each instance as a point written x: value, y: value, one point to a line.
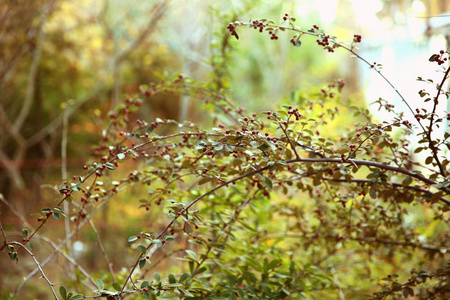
x: 157, y: 276
x: 192, y: 254
x: 116, y: 286
x: 263, y: 147
x: 121, y: 155
x: 100, y: 284
x: 132, y: 238
x: 110, y: 166
x: 142, y: 248
x: 407, y: 181
x: 25, y: 232
x: 169, y: 238
x: 56, y: 215
x: 146, y: 295
x: 184, y: 277
x: 268, y: 182
x: 75, y: 297
x: 142, y: 262
x: 63, y: 292
x: 30, y: 245
x: 172, y: 278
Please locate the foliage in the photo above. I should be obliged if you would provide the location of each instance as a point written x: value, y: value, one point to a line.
x: 266, y: 205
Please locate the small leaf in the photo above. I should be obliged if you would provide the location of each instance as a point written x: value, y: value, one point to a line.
x: 192, y: 254
x: 30, y: 245
x: 116, y: 286
x: 169, y: 238
x: 132, y: 238
x: 142, y: 262
x: 121, y: 155
x: 373, y: 193
x: 157, y: 276
x: 25, y: 232
x: 142, y: 249
x: 172, y: 278
x: 268, y: 182
x: 110, y: 166
x: 433, y: 57
x: 100, y: 284
x: 407, y: 181
x: 184, y: 277
x: 63, y: 292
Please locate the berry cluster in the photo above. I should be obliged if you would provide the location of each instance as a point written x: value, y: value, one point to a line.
x: 438, y: 58
x: 286, y: 16
x: 273, y: 35
x: 357, y: 38
x: 232, y: 28
x: 325, y: 42
x: 258, y: 25
x: 314, y: 28
x: 295, y: 113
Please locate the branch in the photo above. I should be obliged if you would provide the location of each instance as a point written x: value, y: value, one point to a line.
x: 31, y: 87
x: 39, y: 267
x: 59, y: 247
x: 370, y: 164
x: 430, y: 141
x: 411, y: 187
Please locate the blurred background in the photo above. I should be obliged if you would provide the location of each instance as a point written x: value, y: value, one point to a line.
x: 64, y: 64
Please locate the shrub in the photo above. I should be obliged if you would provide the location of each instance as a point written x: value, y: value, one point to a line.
x: 267, y: 205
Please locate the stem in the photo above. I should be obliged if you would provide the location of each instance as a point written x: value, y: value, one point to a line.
x: 428, y: 133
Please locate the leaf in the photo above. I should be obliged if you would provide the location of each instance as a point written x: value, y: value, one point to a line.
x: 187, y: 293
x: 77, y: 296
x: 100, y: 284
x: 373, y: 193
x: 184, y: 277
x: 142, y: 248
x: 192, y: 254
x: 407, y: 181
x: 433, y: 57
x: 25, y: 232
x: 56, y: 215
x: 121, y: 155
x: 263, y: 147
x: 146, y: 295
x: 110, y: 166
x: 172, y: 278
x: 205, y: 180
x: 268, y: 182
x: 142, y: 262
x: 63, y: 292
x: 407, y: 291
x: 116, y: 286
x: 132, y: 238
x: 30, y: 245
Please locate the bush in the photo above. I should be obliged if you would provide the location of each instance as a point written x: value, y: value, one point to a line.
x: 266, y: 205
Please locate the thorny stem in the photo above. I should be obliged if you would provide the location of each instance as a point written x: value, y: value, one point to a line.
x: 34, y: 258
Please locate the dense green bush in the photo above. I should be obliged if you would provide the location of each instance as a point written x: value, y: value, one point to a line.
x: 269, y: 204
